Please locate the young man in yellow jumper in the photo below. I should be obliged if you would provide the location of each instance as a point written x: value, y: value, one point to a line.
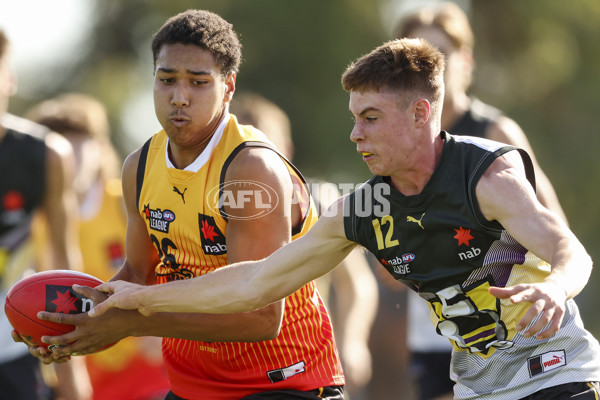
x: 201, y: 194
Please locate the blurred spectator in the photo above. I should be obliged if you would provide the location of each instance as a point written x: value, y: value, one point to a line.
x: 133, y: 368
x: 350, y: 290
x: 36, y: 178
x: 447, y: 27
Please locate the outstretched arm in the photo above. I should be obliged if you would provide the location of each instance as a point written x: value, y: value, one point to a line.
x: 243, y: 286
x: 505, y: 195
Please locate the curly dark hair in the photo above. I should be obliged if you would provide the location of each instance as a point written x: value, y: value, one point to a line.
x: 204, y: 29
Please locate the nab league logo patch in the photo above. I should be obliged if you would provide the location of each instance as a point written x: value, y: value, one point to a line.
x: 159, y: 220
x: 399, y: 264
x: 213, y: 240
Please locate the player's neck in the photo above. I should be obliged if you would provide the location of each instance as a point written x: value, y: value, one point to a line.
x: 412, y: 181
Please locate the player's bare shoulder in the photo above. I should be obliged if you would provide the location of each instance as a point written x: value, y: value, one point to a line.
x: 257, y: 163
x: 504, y: 179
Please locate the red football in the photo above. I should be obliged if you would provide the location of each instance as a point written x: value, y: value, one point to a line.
x: 46, y: 291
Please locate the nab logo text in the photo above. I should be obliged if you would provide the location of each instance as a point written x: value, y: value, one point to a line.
x: 213, y: 240
x: 474, y: 252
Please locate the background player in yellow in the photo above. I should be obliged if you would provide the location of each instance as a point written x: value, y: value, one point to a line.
x: 133, y: 368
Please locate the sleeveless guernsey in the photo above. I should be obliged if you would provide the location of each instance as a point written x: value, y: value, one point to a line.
x: 188, y: 227
x: 22, y: 187
x: 420, y: 338
x: 439, y: 244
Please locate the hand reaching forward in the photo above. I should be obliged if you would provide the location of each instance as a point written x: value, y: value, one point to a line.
x: 122, y: 294
x: 547, y: 298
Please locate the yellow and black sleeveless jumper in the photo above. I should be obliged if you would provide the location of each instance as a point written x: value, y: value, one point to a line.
x: 439, y: 244
x: 188, y: 227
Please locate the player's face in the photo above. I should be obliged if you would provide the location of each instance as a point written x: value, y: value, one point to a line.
x: 383, y: 131
x: 190, y: 94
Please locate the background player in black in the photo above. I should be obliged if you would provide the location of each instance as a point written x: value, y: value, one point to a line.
x: 36, y: 178
x: 396, y: 96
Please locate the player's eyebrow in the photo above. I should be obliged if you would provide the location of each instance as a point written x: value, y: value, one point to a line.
x: 189, y: 71
x: 366, y: 110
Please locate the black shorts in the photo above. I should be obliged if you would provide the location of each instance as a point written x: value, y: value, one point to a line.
x: 431, y: 374
x: 22, y: 379
x: 327, y: 392
x: 574, y: 390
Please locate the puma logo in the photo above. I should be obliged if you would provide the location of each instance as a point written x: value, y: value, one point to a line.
x: 416, y: 221
x: 180, y: 193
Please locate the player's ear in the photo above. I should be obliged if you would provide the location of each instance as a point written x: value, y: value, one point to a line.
x: 229, y: 86
x: 421, y: 112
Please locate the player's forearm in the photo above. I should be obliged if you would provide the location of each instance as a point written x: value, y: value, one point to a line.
x: 232, y: 289
x: 248, y: 285
x: 130, y: 274
x: 547, y: 196
x: 254, y: 326
x: 571, y: 266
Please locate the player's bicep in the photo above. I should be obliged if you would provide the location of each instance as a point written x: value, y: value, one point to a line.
x: 504, y: 194
x: 257, y: 199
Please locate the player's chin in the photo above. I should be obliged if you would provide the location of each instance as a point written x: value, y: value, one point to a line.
x: 377, y: 169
